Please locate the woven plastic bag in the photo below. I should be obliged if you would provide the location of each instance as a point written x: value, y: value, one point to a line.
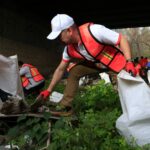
x: 134, y: 123
x: 10, y: 83
x: 148, y: 75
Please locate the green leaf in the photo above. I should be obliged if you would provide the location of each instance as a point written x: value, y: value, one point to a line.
x: 13, y: 131
x: 21, y: 118
x: 47, y: 115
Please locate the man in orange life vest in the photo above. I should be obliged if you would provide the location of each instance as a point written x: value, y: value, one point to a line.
x: 102, y: 48
x: 32, y: 80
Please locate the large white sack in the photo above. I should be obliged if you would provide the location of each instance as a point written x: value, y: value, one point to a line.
x: 134, y: 123
x: 9, y: 76
x: 148, y: 75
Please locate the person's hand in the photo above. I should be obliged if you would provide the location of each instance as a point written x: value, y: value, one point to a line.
x: 45, y: 94
x: 130, y: 68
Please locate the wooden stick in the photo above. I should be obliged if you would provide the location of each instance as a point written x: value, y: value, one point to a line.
x: 49, y: 133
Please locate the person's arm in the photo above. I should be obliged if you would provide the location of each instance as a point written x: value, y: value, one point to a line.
x: 125, y: 47
x: 59, y: 72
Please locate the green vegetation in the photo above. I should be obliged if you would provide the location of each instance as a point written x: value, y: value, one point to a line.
x: 91, y: 128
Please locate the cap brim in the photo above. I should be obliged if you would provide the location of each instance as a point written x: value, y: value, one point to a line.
x: 53, y: 35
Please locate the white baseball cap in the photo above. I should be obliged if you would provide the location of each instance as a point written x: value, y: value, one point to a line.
x: 58, y: 24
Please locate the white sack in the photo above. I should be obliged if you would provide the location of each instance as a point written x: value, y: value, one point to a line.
x: 148, y: 75
x: 9, y: 76
x: 134, y: 123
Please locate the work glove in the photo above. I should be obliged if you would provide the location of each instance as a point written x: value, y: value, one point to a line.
x: 45, y: 94
x: 138, y: 69
x: 130, y: 68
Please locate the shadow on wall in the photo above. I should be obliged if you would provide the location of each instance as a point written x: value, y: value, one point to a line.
x: 46, y: 60
x: 26, y: 37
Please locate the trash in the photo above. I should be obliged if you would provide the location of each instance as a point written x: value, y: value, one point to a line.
x: 105, y: 77
x: 9, y: 147
x: 37, y: 103
x: 55, y: 97
x: 134, y: 123
x: 14, y: 105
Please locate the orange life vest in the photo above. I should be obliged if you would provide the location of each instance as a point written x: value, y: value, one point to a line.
x: 34, y: 74
x: 108, y: 55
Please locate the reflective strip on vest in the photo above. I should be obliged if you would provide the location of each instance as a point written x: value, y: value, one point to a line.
x: 25, y: 81
x: 108, y: 55
x: 34, y: 74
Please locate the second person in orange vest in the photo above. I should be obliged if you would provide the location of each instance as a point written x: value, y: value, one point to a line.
x: 32, y: 80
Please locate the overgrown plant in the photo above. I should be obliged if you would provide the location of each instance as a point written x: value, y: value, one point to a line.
x: 96, y: 107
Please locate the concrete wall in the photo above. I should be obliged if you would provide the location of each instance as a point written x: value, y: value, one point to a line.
x: 26, y: 37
